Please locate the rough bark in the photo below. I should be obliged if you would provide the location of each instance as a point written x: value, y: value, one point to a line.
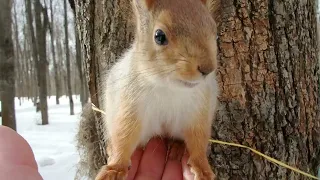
x: 83, y: 98
x: 7, y: 82
x: 42, y: 63
x: 85, y: 82
x: 68, y: 58
x: 104, y: 34
x: 268, y: 75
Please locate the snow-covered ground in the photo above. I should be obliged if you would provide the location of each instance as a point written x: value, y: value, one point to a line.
x: 53, y: 144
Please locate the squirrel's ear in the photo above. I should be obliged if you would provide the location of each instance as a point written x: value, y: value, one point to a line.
x: 214, y: 6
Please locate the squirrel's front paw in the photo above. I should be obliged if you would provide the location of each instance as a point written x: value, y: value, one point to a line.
x: 112, y: 172
x: 201, y: 169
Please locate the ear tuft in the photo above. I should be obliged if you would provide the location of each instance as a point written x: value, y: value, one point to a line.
x: 214, y: 6
x: 204, y: 1
x: 149, y: 3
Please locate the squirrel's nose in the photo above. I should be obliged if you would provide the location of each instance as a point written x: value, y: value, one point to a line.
x: 205, y: 70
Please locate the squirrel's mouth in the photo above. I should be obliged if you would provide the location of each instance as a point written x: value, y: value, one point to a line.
x: 187, y: 84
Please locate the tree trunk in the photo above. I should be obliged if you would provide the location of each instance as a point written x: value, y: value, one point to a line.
x: 27, y: 62
x: 85, y: 86
x: 7, y: 82
x: 42, y: 68
x: 79, y: 65
x: 19, y: 88
x: 48, y: 82
x: 104, y: 34
x: 79, y: 56
x: 68, y: 58
x: 39, y: 54
x: 55, y: 66
x: 33, y: 44
x: 270, y: 96
x: 268, y: 76
x: 83, y: 97
x: 61, y: 67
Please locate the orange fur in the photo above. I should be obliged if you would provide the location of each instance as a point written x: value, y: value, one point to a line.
x: 191, y: 33
x: 196, y: 138
x: 204, y: 1
x: 121, y: 143
x: 149, y: 3
x: 190, y: 44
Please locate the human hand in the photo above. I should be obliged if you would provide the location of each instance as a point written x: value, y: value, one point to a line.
x: 16, y: 157
x: 151, y: 164
x: 17, y: 160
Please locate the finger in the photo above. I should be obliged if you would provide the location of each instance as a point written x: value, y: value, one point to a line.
x: 187, y: 174
x: 153, y: 160
x: 14, y: 149
x: 135, y: 161
x: 173, y: 169
x: 18, y: 172
x: 16, y: 157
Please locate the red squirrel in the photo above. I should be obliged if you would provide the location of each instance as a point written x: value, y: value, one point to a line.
x: 164, y: 84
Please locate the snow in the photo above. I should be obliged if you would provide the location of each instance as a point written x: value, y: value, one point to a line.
x: 53, y: 144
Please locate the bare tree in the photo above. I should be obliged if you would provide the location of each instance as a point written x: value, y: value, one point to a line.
x: 39, y: 51
x: 83, y: 87
x: 31, y: 33
x: 55, y: 65
x: 7, y: 82
x: 68, y: 58
x: 61, y: 65
x: 42, y: 68
x: 19, y: 88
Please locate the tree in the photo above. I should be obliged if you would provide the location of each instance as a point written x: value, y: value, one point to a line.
x: 68, y: 58
x: 31, y: 35
x: 268, y: 75
x: 55, y: 65
x: 42, y: 63
x: 39, y: 54
x: 269, y: 71
x: 83, y: 87
x: 83, y: 97
x: 7, y: 82
x: 102, y: 40
x: 18, y: 70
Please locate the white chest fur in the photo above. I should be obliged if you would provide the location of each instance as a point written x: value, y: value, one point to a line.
x: 161, y: 110
x: 165, y: 111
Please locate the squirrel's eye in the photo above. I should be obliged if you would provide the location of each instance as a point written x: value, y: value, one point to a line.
x: 160, y: 37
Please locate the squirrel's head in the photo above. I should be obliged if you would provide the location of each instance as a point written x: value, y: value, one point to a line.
x: 178, y: 37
